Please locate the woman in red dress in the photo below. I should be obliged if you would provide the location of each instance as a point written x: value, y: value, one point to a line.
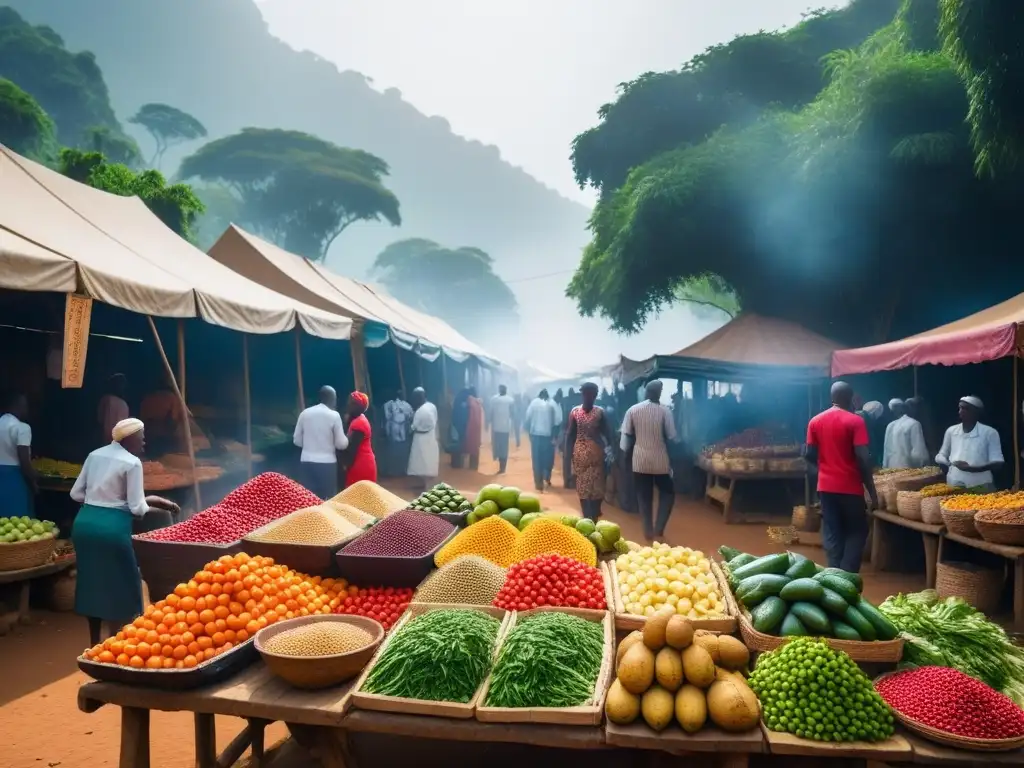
x: 362, y: 464
x: 588, y: 436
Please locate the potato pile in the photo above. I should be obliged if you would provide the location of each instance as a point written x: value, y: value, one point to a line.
x: 469, y: 580
x: 369, y: 497
x: 320, y: 638
x: 319, y: 526
x: 668, y: 671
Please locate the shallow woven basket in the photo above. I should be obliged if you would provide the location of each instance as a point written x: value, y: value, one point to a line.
x: 996, y: 532
x: 914, y: 482
x: 889, y: 651
x: 26, y: 554
x: 718, y: 462
x: 736, y: 465
x: 980, y: 587
x: 931, y: 509
x: 806, y: 520
x: 960, y: 522
x: 756, y: 465
x: 908, y: 504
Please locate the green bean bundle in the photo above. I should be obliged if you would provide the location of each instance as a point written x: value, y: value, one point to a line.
x: 548, y: 660
x: 437, y: 656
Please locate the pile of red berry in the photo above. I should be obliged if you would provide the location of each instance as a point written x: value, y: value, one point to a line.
x: 551, y: 580
x: 948, y: 700
x: 407, y: 533
x: 383, y: 604
x: 264, y: 498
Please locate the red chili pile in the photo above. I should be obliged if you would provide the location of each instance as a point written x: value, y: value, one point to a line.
x: 403, y: 534
x: 383, y: 604
x: 264, y: 498
x: 551, y: 580
x: 950, y: 701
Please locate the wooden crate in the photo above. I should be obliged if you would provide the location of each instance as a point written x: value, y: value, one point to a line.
x: 399, y: 704
x: 586, y: 714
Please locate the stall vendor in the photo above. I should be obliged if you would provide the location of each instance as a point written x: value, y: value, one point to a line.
x: 971, y: 449
x: 17, y: 477
x: 110, y: 491
x: 904, y: 444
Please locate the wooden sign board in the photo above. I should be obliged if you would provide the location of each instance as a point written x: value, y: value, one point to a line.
x: 77, y: 317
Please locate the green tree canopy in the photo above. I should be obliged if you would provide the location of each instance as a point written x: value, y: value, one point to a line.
x: 24, y: 125
x: 175, y: 204
x: 168, y: 126
x: 295, y: 189
x: 458, y: 285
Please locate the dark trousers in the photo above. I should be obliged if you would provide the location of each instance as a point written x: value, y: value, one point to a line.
x: 645, y: 485
x: 321, y: 479
x: 591, y: 508
x: 844, y: 529
x: 542, y: 453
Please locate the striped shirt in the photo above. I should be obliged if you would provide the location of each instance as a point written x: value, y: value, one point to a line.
x: 651, y: 426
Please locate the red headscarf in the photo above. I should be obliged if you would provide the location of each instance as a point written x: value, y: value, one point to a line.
x: 362, y: 398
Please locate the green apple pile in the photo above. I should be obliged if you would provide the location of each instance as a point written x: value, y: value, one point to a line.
x: 505, y: 501
x: 14, y: 530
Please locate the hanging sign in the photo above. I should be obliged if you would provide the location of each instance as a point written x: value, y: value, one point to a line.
x: 77, y: 316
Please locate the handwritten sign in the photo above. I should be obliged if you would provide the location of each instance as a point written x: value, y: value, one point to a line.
x: 77, y: 317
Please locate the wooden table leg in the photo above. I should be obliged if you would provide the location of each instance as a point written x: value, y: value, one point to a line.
x: 24, y: 592
x: 709, y: 483
x: 878, y: 552
x: 733, y: 761
x: 258, y: 729
x: 727, y: 504
x: 328, y: 745
x: 134, y: 738
x: 931, y: 558
x: 206, y: 741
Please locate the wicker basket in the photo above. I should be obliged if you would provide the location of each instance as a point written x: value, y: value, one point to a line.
x: 979, y: 586
x: 807, y: 520
x: 61, y: 597
x: 998, y: 532
x: 908, y: 504
x: 887, y: 651
x: 960, y: 522
x: 718, y: 463
x: 914, y: 482
x: 736, y: 465
x: 756, y: 465
x: 931, y: 510
x: 26, y: 554
x: 891, y: 499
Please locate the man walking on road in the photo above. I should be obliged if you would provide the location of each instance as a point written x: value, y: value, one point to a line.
x: 502, y: 405
x: 541, y: 423
x: 647, y: 428
x: 837, y: 447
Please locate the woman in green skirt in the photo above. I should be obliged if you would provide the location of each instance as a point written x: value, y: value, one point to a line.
x: 110, y: 490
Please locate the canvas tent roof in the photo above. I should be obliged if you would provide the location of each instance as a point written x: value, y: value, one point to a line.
x: 746, y: 347
x: 59, y: 235
x: 294, y: 276
x: 990, y: 334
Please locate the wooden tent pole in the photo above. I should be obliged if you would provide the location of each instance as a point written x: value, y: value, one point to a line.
x: 298, y: 368
x: 915, y: 381
x: 419, y: 366
x: 401, y: 372
x: 248, y: 400
x: 444, y: 377
x: 182, y: 382
x: 1016, y: 427
x: 184, y: 408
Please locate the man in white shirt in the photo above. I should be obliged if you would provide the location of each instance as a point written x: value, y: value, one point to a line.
x: 897, y: 411
x: 904, y: 440
x: 320, y: 434
x: 501, y: 426
x: 18, y: 484
x: 397, y: 423
x: 425, y: 453
x: 541, y: 422
x: 647, y: 429
x: 970, y: 449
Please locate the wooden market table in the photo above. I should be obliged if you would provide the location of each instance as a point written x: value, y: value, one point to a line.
x: 722, y: 483
x: 1013, y: 554
x: 930, y: 537
x: 24, y: 578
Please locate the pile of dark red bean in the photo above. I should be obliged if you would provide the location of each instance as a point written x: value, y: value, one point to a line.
x: 948, y: 700
x: 407, y: 533
x: 261, y: 500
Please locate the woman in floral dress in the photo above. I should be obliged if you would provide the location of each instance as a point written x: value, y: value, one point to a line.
x: 587, y: 439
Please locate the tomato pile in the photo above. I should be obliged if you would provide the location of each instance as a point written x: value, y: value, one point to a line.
x: 407, y: 533
x: 383, y: 604
x: 264, y: 498
x: 950, y: 701
x: 551, y: 580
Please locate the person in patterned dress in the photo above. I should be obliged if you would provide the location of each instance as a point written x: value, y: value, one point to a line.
x: 588, y: 437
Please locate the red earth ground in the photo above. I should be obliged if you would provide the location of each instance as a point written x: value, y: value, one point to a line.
x: 40, y: 724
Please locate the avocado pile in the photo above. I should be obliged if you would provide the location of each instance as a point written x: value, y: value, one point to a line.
x: 505, y: 501
x: 441, y: 498
x: 788, y: 595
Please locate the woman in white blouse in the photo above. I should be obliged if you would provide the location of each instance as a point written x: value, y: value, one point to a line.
x: 110, y: 490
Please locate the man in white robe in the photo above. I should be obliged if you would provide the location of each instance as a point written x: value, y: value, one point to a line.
x: 425, y: 454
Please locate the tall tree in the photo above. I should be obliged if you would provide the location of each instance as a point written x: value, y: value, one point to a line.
x: 458, y: 285
x: 24, y: 125
x: 115, y: 147
x: 295, y: 189
x: 168, y: 126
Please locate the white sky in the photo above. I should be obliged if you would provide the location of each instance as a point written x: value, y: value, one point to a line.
x: 524, y: 75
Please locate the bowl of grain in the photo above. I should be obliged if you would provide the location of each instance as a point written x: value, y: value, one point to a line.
x: 319, y: 651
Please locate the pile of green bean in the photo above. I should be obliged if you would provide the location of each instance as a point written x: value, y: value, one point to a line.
x: 548, y: 660
x: 437, y: 656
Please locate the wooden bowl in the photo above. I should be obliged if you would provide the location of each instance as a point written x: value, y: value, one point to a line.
x: 311, y: 672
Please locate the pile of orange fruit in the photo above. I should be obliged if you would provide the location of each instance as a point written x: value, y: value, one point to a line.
x: 222, y: 606
x: 980, y: 501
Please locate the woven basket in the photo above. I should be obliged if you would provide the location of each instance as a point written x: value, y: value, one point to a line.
x: 718, y: 463
x: 931, y: 510
x: 998, y: 532
x: 888, y: 651
x: 736, y: 465
x: 755, y: 465
x: 62, y: 593
x: 960, y: 522
x: 979, y: 586
x: 891, y: 499
x: 914, y: 482
x: 908, y: 504
x: 26, y: 554
x: 807, y: 520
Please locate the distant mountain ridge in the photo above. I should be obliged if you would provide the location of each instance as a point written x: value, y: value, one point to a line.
x: 218, y: 61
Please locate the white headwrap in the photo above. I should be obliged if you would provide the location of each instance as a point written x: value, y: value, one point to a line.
x: 874, y: 409
x: 895, y: 403
x: 974, y: 401
x: 126, y: 428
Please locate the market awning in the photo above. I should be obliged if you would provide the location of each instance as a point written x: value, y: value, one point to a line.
x: 294, y: 276
x: 749, y: 346
x: 125, y: 256
x: 991, y: 334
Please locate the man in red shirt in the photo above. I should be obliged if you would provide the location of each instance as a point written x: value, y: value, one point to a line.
x: 837, y: 447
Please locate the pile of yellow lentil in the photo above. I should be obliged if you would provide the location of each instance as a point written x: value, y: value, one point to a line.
x: 369, y: 497
x: 468, y: 579
x: 316, y: 526
x: 319, y: 638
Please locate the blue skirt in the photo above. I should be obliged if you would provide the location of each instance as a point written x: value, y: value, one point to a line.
x: 15, y: 500
x: 108, y: 586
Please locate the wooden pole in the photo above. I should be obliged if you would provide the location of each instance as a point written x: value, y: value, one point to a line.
x: 915, y: 381
x: 1016, y: 428
x: 184, y: 408
x: 181, y: 359
x: 298, y: 368
x: 419, y: 366
x: 401, y: 372
x: 248, y: 400
x: 444, y: 377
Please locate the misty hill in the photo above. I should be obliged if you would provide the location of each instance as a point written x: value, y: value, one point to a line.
x: 218, y: 61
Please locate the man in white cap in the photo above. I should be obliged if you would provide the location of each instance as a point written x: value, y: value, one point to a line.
x: 896, y: 409
x: 971, y: 449
x: 904, y: 440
